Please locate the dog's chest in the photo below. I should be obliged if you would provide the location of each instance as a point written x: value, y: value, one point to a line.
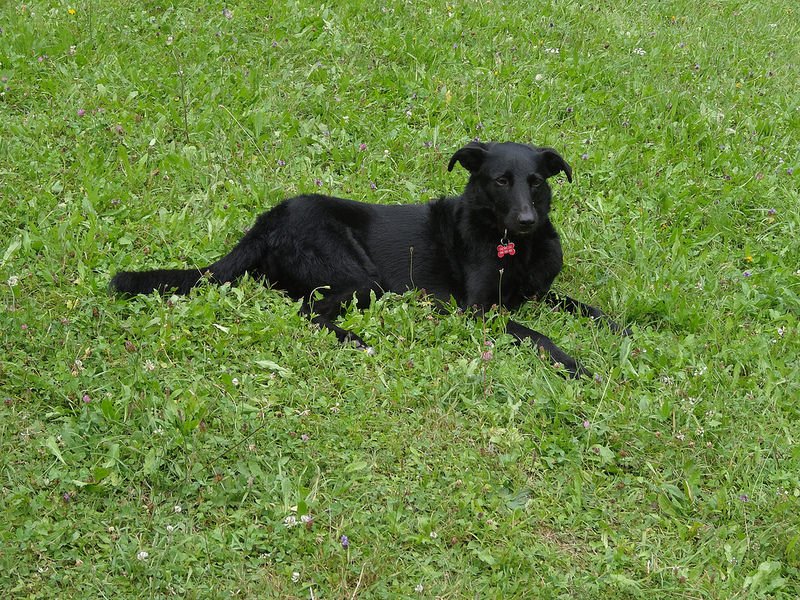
x: 515, y: 283
x: 525, y: 275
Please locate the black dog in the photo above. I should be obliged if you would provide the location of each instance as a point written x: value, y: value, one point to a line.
x: 493, y: 245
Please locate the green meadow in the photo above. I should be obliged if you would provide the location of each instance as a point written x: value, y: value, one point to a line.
x: 219, y: 445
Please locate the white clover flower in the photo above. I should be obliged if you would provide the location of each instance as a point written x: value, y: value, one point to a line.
x: 295, y: 577
x: 142, y: 555
x: 13, y: 280
x: 177, y: 509
x: 290, y: 521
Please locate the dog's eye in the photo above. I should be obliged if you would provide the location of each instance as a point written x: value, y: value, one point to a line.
x: 501, y: 181
x: 536, y: 181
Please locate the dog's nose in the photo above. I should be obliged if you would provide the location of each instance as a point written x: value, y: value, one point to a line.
x: 526, y: 222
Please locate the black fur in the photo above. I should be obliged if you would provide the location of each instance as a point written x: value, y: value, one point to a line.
x: 448, y: 247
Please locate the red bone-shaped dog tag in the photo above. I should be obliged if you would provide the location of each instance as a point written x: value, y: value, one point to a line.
x: 506, y: 249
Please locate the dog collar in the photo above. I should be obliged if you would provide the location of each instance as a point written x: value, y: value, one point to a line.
x: 505, y: 248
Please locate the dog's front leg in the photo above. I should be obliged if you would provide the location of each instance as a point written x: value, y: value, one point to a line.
x: 577, y: 307
x: 557, y: 355
x: 521, y: 333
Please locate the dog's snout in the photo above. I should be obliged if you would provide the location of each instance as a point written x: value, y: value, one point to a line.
x: 525, y: 218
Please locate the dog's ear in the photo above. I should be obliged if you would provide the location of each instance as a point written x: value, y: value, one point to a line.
x: 470, y: 156
x: 553, y: 163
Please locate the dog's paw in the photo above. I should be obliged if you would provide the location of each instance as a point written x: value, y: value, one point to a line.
x: 360, y: 344
x: 619, y: 329
x: 572, y: 369
x: 580, y: 371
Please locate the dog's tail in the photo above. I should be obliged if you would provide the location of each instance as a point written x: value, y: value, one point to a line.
x: 245, y: 256
x: 179, y: 281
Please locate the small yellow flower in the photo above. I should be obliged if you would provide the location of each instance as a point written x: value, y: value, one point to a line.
x: 71, y: 11
x: 748, y: 258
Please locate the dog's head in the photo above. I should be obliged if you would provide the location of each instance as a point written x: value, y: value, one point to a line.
x: 511, y: 180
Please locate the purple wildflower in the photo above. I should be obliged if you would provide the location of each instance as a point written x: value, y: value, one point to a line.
x: 586, y: 424
x: 345, y: 541
x: 81, y: 112
x: 772, y: 212
x: 362, y: 146
x: 227, y: 13
x: 747, y: 274
x: 281, y: 162
x: 584, y: 156
x: 744, y: 498
x: 790, y: 171
x: 487, y: 355
x: 86, y: 399
x: 372, y: 185
x: 318, y: 182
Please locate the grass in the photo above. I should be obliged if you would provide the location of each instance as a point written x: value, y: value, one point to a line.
x: 198, y: 430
